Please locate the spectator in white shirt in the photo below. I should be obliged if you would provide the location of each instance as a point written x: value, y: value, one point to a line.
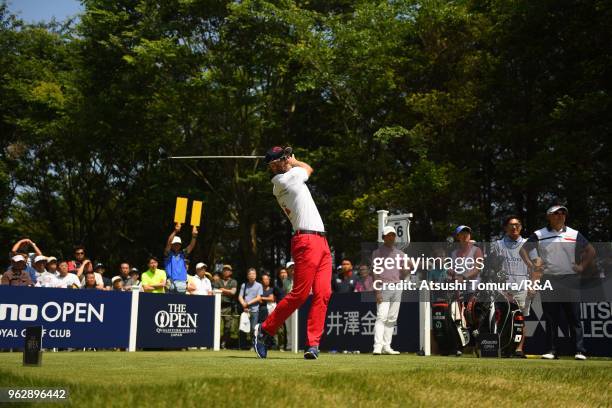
x: 44, y: 279
x: 66, y: 279
x: 199, y: 284
x: 87, y: 267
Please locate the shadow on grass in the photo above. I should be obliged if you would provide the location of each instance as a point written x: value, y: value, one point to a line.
x: 255, y: 358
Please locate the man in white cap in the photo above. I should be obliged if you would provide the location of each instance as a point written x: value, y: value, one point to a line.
x: 45, y: 279
x: 288, y: 283
x: 199, y: 284
x: 174, y: 263
x: 565, y: 254
x: 16, y: 275
x: 52, y: 265
x: 39, y: 264
x: 18, y: 249
x: 388, y: 300
x: 117, y: 284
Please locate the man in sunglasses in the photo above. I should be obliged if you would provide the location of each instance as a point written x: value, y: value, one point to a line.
x: 565, y: 254
x: 309, y: 250
x: 79, y: 258
x: 508, y: 250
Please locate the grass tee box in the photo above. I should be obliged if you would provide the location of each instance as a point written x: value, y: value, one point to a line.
x: 194, y: 378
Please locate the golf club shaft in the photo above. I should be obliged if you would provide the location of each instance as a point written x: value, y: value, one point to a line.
x: 214, y: 157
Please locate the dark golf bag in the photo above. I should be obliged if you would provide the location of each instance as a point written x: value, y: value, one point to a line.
x: 497, y: 315
x: 449, y: 327
x: 492, y: 312
x: 510, y: 324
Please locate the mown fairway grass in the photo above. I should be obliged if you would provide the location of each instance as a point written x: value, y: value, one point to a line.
x: 206, y: 378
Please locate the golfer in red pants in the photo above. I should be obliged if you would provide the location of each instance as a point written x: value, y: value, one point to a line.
x: 309, y: 249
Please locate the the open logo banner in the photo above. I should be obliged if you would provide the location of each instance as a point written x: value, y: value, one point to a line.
x: 70, y: 318
x: 351, y: 318
x: 175, y: 321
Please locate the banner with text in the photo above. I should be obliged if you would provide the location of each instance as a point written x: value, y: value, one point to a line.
x: 350, y: 322
x: 175, y: 321
x: 596, y: 320
x: 70, y: 318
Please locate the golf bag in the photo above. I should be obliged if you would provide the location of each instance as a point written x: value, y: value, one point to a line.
x: 449, y: 328
x: 510, y: 325
x: 492, y: 312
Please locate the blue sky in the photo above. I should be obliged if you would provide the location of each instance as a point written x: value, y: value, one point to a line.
x: 32, y: 11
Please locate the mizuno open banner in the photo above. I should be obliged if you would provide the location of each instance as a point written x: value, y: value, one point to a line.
x: 70, y: 318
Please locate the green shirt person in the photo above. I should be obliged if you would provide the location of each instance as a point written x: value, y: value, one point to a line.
x: 153, y: 280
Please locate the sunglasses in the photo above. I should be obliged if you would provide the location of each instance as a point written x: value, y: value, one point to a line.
x: 515, y: 225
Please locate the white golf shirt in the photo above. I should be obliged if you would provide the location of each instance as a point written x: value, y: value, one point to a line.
x: 203, y: 286
x: 558, y: 249
x: 68, y: 281
x: 294, y: 198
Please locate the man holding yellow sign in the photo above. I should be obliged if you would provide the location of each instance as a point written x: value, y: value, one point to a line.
x: 175, y: 257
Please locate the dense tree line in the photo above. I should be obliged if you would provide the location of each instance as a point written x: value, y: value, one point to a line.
x: 458, y: 111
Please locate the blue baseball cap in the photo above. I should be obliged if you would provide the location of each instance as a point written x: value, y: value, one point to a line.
x: 461, y: 228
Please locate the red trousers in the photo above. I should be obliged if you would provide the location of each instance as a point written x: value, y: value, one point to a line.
x: 313, y: 268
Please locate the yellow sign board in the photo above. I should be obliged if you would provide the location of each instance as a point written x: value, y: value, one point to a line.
x: 196, y: 213
x: 180, y: 213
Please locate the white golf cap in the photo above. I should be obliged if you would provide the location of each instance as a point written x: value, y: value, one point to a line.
x: 51, y: 259
x: 289, y: 264
x: 115, y: 279
x: 177, y: 240
x: 201, y: 265
x: 389, y: 229
x: 40, y: 258
x: 555, y: 208
x: 18, y: 258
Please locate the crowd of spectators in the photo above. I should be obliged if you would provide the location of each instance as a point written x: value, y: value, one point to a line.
x: 260, y: 293
x: 257, y: 296
x: 30, y: 267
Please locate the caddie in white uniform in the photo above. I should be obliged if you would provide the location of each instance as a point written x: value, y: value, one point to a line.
x: 387, y: 301
x: 508, y: 248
